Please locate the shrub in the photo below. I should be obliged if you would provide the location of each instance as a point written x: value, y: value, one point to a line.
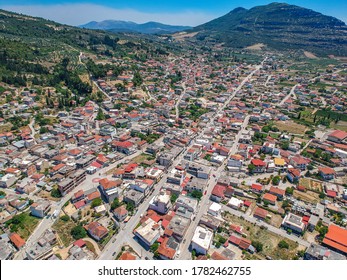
x: 283, y: 244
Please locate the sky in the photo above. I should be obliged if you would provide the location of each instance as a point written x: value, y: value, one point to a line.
x: 178, y: 12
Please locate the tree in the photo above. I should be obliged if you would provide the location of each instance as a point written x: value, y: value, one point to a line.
x: 100, y: 116
x: 115, y: 204
x: 257, y: 245
x: 2, y: 193
x: 196, y: 194
x: 289, y: 191
x: 173, y: 198
x: 96, y: 202
x: 137, y: 80
x: 276, y: 180
x: 65, y: 218
x: 154, y: 247
x: 78, y: 232
x: 283, y: 244
x: 130, y: 206
x: 251, y: 168
x: 55, y: 193
x: 321, y: 195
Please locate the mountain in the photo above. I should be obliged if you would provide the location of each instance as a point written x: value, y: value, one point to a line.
x: 129, y: 26
x: 280, y: 26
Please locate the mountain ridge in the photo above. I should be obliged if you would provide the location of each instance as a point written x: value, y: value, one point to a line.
x: 280, y: 26
x: 150, y: 27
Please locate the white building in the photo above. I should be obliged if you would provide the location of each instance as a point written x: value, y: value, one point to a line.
x: 148, y: 232
x: 202, y: 240
x: 160, y: 203
x: 235, y: 203
x: 7, y: 181
x: 214, y: 209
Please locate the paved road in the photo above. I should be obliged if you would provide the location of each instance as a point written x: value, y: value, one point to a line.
x: 179, y: 100
x: 289, y: 95
x: 205, y: 202
x: 271, y: 228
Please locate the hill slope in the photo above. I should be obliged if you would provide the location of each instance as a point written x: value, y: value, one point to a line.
x: 129, y: 26
x: 280, y: 26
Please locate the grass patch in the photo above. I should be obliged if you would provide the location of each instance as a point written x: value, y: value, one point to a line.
x: 24, y: 224
x: 268, y: 239
x: 63, y: 229
x: 291, y: 127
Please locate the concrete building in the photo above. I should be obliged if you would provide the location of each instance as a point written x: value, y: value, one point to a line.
x: 7, y: 181
x: 202, y: 240
x: 148, y: 232
x: 40, y: 208
x: 160, y: 203
x: 293, y: 222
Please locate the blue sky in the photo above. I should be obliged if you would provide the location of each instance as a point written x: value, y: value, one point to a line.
x: 181, y: 12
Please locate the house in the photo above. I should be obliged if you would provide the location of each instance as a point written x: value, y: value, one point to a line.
x: 299, y: 162
x: 293, y: 175
x: 214, y: 209
x: 235, y: 203
x: 126, y: 256
x: 40, y: 208
x: 259, y: 165
x: 338, y: 136
x: 160, y: 203
x: 326, y: 173
x: 277, y: 192
x: 148, y: 232
x: 7, y: 181
x: 97, y: 231
x: 257, y: 188
x: 260, y: 213
x: 168, y: 248
x: 279, y: 164
x: 201, y: 240
x: 270, y: 198
x: 336, y: 238
x: 109, y: 188
x: 17, y: 241
x: 318, y: 252
x: 120, y: 213
x: 294, y: 223
x: 218, y: 193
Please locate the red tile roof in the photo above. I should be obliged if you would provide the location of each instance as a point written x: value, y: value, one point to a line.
x: 339, y: 134
x: 126, y: 256
x: 258, y: 162
x: 80, y: 243
x: 270, y: 197
x: 336, y: 238
x: 17, y: 240
x: 326, y: 170
x: 218, y: 191
x: 260, y: 212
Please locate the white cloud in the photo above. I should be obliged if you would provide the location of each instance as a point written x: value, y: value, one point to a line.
x: 77, y: 14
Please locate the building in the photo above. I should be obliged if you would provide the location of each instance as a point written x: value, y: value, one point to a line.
x: 7, y: 181
x: 133, y: 196
x: 318, y: 252
x: 270, y: 198
x: 148, y: 232
x: 178, y: 227
x: 336, y: 238
x: 40, y: 208
x: 42, y: 249
x: 259, y: 165
x: 201, y: 240
x: 235, y: 203
x: 120, y: 213
x: 109, y: 188
x: 214, y: 209
x: 97, y: 231
x: 338, y: 136
x: 294, y: 222
x: 277, y: 192
x: 326, y: 173
x: 260, y: 213
x: 17, y: 241
x: 186, y: 202
x: 160, y: 203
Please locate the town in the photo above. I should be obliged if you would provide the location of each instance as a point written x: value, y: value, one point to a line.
x: 187, y: 157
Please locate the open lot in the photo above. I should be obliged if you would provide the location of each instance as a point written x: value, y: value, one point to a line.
x: 47, y: 195
x: 24, y: 224
x: 308, y: 196
x: 311, y: 185
x: 268, y: 239
x: 63, y: 230
x: 290, y: 127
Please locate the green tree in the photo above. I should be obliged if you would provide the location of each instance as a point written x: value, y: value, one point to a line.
x: 196, y: 194
x: 55, y: 193
x: 251, y: 168
x: 283, y: 244
x: 276, y: 180
x: 137, y: 80
x: 257, y: 245
x: 100, y: 116
x: 65, y: 218
x: 173, y: 198
x: 96, y: 202
x: 78, y: 232
x: 289, y: 191
x: 115, y: 204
